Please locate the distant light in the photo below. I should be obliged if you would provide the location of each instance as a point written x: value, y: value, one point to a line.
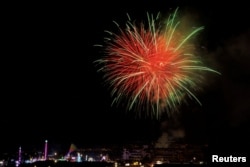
x: 46, y: 150
x: 127, y: 164
x: 158, y: 162
x: 78, y: 157
x: 91, y: 159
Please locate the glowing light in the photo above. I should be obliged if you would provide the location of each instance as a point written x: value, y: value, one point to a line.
x: 46, y: 150
x: 20, y: 155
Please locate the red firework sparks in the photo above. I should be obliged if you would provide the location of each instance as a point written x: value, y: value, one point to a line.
x: 153, y: 68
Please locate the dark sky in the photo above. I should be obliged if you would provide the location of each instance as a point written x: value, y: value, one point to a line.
x: 51, y: 89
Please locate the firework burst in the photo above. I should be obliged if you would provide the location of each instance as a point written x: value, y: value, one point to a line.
x: 152, y: 68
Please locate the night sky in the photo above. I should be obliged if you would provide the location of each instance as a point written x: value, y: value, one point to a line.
x: 51, y: 89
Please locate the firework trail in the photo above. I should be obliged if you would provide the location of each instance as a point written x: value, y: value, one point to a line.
x: 152, y: 68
